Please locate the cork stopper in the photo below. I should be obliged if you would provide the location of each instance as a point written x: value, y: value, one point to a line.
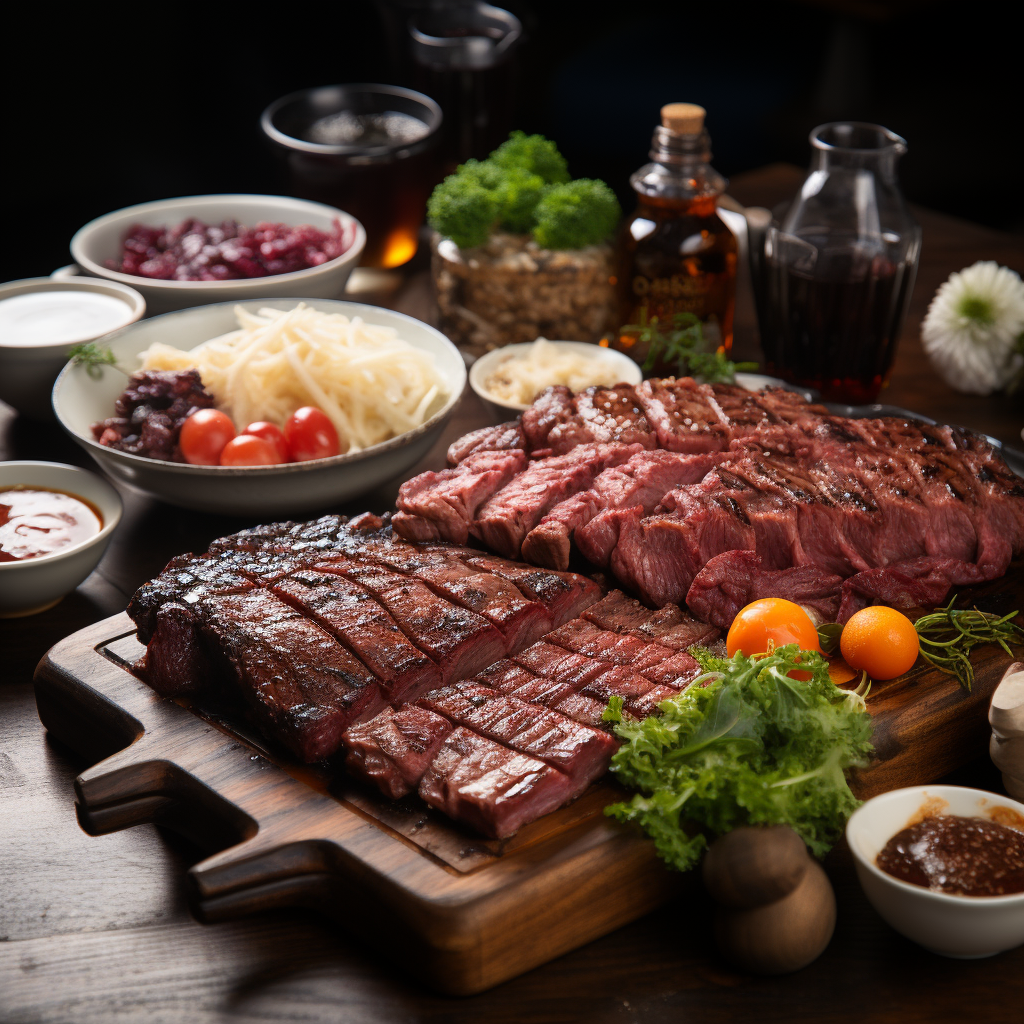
x: 683, y: 118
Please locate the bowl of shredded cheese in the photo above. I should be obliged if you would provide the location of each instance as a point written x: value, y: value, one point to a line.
x: 386, y: 381
x: 510, y: 378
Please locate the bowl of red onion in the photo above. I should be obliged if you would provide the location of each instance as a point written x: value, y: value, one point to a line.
x: 196, y: 250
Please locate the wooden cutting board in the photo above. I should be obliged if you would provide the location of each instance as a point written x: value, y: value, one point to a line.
x: 460, y: 912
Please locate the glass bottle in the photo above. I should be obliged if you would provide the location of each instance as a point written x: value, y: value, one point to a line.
x: 677, y: 254
x: 839, y: 267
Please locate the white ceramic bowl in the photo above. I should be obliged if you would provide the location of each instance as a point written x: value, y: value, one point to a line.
x: 956, y: 926
x: 27, y: 372
x: 629, y: 372
x: 79, y: 401
x: 35, y: 584
x: 100, y: 240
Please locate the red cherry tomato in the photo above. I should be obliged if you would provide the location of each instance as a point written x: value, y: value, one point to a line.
x: 271, y: 433
x: 204, y: 435
x: 249, y: 450
x: 311, y: 435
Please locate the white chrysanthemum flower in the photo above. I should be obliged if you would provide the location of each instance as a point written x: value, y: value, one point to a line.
x: 971, y: 329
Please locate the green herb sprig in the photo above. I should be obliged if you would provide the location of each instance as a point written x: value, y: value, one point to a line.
x: 683, y: 347
x: 948, y: 635
x: 94, y: 356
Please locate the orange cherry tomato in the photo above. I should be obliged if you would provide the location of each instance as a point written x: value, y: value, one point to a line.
x: 271, y: 433
x: 311, y: 435
x: 880, y: 641
x: 204, y: 435
x: 248, y: 450
x: 772, y: 622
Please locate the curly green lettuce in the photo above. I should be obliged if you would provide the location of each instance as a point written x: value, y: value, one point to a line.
x: 745, y: 744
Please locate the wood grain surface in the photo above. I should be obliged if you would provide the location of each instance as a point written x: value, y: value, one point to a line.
x: 97, y: 929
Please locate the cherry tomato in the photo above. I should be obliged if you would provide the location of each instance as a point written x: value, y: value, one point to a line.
x: 881, y: 641
x: 249, y: 450
x: 271, y: 433
x: 772, y: 622
x: 204, y: 435
x: 311, y: 435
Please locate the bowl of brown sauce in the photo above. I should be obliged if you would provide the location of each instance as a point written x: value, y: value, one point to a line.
x: 944, y: 865
x: 55, y: 524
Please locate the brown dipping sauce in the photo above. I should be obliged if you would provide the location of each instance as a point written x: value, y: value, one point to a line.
x: 36, y: 522
x: 963, y: 856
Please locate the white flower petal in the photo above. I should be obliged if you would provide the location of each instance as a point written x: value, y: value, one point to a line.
x: 973, y: 356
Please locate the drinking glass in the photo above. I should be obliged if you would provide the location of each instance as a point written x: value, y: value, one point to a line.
x: 839, y: 267
x: 367, y: 150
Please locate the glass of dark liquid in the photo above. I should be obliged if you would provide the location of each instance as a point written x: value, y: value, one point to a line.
x: 366, y: 149
x: 839, y: 267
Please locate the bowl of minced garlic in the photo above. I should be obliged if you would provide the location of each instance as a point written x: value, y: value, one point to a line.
x: 513, y: 376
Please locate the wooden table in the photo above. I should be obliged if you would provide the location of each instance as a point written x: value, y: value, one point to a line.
x: 97, y: 929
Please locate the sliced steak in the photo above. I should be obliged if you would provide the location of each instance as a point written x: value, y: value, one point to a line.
x: 490, y: 787
x: 563, y: 594
x: 685, y: 415
x: 353, y: 615
x: 644, y: 479
x: 730, y: 581
x: 502, y: 437
x: 458, y: 641
x: 450, y: 499
x: 551, y: 407
x: 603, y: 414
x: 581, y: 752
x: 301, y: 686
x: 175, y: 661
x: 504, y: 521
x: 393, y: 749
x: 669, y: 626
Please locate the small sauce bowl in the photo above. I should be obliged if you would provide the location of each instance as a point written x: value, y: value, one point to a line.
x: 32, y: 585
x: 964, y: 927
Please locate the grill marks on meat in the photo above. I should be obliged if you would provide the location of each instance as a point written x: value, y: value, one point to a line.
x: 299, y: 683
x: 447, y: 502
x: 602, y: 414
x: 489, y: 786
x: 502, y: 437
x: 504, y: 521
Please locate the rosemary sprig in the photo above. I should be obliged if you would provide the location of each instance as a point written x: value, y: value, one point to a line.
x: 684, y: 348
x: 94, y: 356
x: 948, y: 635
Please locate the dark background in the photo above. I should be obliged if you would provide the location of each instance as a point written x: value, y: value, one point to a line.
x: 100, y: 113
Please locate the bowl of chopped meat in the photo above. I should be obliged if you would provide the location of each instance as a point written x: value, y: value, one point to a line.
x: 196, y: 250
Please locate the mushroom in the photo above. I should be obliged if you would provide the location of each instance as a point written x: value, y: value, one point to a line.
x: 777, y: 910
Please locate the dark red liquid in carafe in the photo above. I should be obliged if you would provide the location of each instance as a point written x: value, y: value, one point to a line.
x: 831, y: 318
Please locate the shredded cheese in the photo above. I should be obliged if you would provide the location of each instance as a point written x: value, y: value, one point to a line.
x: 370, y: 383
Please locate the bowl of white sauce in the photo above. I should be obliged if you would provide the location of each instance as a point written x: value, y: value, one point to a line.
x: 41, y: 319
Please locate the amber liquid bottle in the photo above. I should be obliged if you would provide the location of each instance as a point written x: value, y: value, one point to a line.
x: 678, y: 255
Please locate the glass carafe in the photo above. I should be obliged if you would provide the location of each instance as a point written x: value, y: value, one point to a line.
x: 839, y: 267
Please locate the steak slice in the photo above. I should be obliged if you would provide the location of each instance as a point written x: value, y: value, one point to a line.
x: 685, y: 415
x: 498, y: 438
x: 490, y: 787
x: 353, y: 615
x: 519, y: 619
x: 175, y: 661
x: 458, y: 641
x: 603, y: 415
x: 644, y: 480
x: 730, y: 581
x: 301, y: 686
x: 581, y: 752
x: 563, y: 594
x: 669, y: 626
x: 450, y: 499
x: 504, y: 521
x: 551, y: 407
x: 393, y: 749
x: 516, y: 681
x: 185, y: 580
